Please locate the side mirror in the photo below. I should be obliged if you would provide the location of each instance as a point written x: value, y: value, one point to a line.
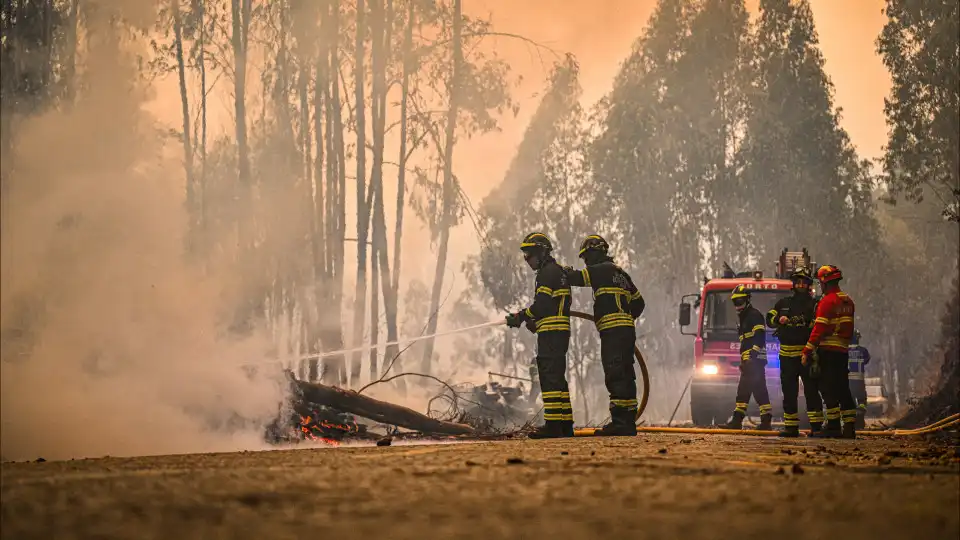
x: 684, y: 314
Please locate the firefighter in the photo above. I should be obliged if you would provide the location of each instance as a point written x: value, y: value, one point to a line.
x: 550, y: 319
x: 859, y: 358
x: 829, y: 342
x: 792, y: 318
x: 617, y: 303
x: 753, y: 360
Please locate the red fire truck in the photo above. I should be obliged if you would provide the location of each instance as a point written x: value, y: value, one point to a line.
x: 713, y: 388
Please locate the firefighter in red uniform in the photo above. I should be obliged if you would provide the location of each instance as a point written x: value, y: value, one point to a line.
x: 830, y: 339
x: 617, y: 303
x: 753, y: 361
x: 793, y: 317
x: 550, y: 317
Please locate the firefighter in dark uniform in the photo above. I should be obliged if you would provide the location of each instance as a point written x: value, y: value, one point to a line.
x: 550, y: 317
x: 753, y: 360
x: 829, y: 345
x: 792, y: 319
x: 859, y: 358
x: 617, y: 303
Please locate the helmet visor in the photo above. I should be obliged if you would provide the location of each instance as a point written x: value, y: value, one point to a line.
x: 740, y: 301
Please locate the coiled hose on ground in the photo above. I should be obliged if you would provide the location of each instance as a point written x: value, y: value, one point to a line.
x: 645, y: 396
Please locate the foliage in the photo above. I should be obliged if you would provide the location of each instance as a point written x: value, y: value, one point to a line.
x: 920, y: 45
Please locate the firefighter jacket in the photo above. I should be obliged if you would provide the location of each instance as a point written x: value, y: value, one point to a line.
x: 550, y: 311
x: 859, y: 358
x: 833, y: 327
x: 800, y: 310
x: 753, y: 336
x: 616, y: 300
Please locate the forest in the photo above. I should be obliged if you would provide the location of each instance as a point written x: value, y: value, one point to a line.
x: 316, y: 155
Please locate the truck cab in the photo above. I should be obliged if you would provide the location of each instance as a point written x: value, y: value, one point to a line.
x: 713, y: 388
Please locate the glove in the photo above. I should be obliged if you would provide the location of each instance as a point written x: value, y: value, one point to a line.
x: 513, y: 320
x: 815, y: 366
x: 531, y: 326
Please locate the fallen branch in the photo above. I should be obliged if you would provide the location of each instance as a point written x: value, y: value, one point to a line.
x: 352, y: 402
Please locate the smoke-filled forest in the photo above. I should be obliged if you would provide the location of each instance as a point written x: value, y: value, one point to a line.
x: 156, y: 275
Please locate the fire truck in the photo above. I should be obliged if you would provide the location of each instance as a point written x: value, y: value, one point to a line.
x: 713, y: 388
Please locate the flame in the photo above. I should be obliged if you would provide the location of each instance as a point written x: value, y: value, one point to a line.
x: 308, y: 427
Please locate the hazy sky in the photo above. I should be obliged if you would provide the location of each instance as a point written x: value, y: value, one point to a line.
x: 601, y: 37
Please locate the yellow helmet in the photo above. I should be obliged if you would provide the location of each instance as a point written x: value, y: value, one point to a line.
x: 536, y: 239
x: 740, y: 292
x: 593, y: 242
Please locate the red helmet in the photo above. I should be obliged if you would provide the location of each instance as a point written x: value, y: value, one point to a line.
x: 828, y: 273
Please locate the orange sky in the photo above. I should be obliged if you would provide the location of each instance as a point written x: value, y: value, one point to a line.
x: 601, y: 37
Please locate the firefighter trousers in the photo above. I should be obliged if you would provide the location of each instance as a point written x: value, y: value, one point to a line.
x: 552, y: 366
x: 753, y: 382
x: 616, y: 356
x: 835, y: 385
x: 792, y: 371
x: 858, y: 388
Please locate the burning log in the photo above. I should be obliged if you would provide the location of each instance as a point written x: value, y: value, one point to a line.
x: 351, y: 402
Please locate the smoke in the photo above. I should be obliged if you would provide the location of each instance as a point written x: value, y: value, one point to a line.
x: 112, y: 340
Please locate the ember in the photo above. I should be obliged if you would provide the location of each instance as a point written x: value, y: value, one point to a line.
x: 315, y: 427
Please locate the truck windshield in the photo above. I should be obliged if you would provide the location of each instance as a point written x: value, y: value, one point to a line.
x: 720, y: 317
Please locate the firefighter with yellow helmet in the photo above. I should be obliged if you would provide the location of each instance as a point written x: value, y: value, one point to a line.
x: 549, y: 316
x: 753, y: 361
x: 617, y: 304
x: 792, y: 318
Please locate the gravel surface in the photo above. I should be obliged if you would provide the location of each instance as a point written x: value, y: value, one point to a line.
x: 657, y: 486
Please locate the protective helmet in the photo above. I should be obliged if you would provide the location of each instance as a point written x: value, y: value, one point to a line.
x: 801, y: 273
x: 594, y: 242
x: 828, y: 273
x: 740, y: 295
x: 536, y: 240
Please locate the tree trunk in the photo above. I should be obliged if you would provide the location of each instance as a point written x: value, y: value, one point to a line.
x: 449, y: 189
x: 393, y: 303
x: 379, y: 411
x: 335, y: 367
x: 201, y: 60
x: 70, y: 65
x: 374, y: 312
x: 185, y: 110
x: 363, y: 217
x: 381, y: 52
x: 241, y: 20
x: 402, y: 160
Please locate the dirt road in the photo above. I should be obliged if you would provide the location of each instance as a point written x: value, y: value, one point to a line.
x: 659, y: 486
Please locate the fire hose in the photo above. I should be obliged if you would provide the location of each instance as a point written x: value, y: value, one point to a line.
x: 939, y: 425
x: 644, y: 398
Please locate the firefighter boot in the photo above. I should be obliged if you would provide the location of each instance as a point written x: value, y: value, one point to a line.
x: 789, y: 431
x: 849, y: 431
x: 735, y: 423
x: 622, y: 424
x: 551, y: 429
x: 765, y: 420
x: 567, y: 428
x: 861, y: 418
x: 831, y: 430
